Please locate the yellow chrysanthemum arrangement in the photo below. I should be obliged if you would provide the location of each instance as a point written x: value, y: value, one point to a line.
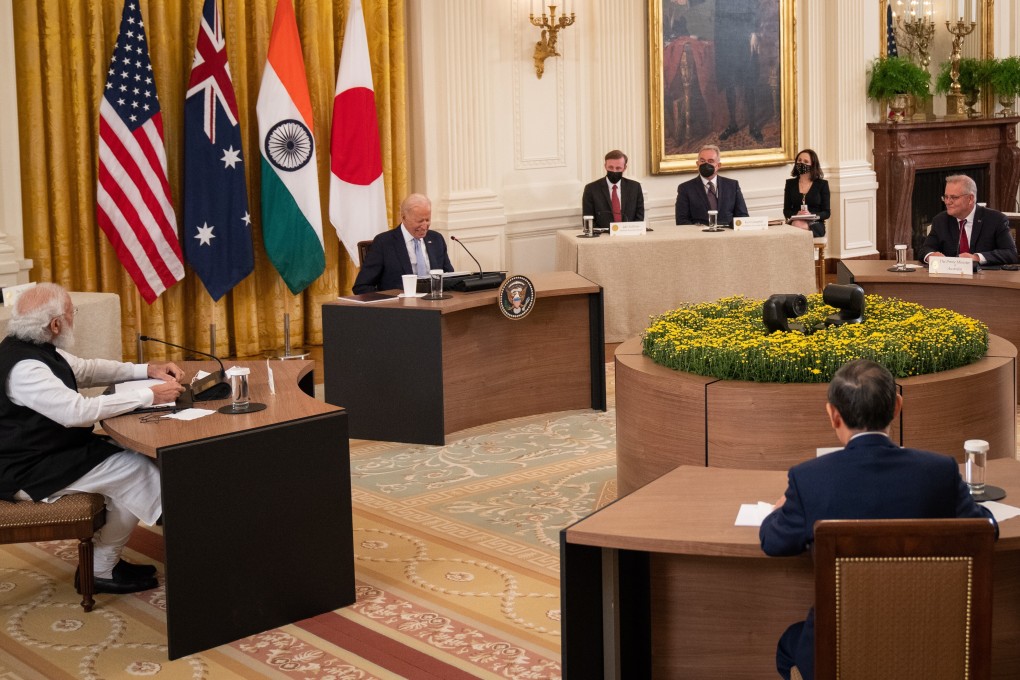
x: 727, y: 339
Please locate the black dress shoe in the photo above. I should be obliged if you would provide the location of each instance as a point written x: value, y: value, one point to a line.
x: 728, y: 132
x: 756, y: 135
x: 129, y: 571
x: 119, y: 584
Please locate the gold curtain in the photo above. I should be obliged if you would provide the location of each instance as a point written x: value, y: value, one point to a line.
x: 63, y: 49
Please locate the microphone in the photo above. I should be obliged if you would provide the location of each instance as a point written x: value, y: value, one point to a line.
x: 481, y: 280
x: 209, y: 388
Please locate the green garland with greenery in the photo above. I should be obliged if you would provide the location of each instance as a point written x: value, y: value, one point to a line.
x: 727, y: 339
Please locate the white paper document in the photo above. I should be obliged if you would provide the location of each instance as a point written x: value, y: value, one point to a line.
x: 752, y: 514
x: 190, y: 414
x: 1001, y: 511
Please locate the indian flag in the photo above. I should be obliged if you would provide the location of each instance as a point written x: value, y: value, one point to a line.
x: 291, y: 216
x: 357, y: 196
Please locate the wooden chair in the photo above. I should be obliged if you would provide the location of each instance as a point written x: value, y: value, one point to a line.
x: 903, y: 599
x: 76, y: 515
x: 363, y: 247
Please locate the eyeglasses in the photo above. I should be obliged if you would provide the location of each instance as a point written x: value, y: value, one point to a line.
x: 947, y: 198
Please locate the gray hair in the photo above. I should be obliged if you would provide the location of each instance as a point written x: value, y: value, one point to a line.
x: 412, y: 201
x: 33, y: 311
x: 966, y: 181
x: 711, y: 147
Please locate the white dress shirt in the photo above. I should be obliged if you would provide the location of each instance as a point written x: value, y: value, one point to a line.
x: 33, y: 385
x: 409, y: 244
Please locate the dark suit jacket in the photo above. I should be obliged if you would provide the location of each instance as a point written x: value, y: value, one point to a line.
x: 871, y: 478
x: 990, y: 236
x: 692, y: 201
x: 595, y: 202
x: 387, y: 260
x: 817, y: 202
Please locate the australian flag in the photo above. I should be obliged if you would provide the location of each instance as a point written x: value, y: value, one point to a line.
x: 217, y: 226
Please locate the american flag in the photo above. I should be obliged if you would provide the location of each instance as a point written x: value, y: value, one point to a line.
x: 217, y: 234
x: 134, y: 208
x: 890, y: 32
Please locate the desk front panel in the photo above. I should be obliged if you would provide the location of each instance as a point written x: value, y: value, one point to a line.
x: 647, y: 275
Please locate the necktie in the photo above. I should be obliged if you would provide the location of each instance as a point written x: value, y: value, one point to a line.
x: 615, y: 200
x: 421, y: 267
x: 713, y: 198
x: 964, y: 243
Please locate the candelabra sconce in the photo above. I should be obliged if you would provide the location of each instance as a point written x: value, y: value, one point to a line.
x: 550, y: 25
x: 955, y: 104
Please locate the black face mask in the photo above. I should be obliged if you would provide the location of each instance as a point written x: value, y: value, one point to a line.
x: 801, y: 168
x: 613, y: 177
x: 706, y: 170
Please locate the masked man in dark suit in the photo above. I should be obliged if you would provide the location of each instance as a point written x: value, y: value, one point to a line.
x: 598, y: 197
x: 986, y: 236
x: 696, y: 197
x: 409, y: 249
x: 871, y: 478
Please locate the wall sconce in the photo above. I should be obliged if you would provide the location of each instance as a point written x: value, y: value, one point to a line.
x: 550, y: 25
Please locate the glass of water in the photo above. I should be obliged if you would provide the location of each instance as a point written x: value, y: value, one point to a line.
x: 977, y: 461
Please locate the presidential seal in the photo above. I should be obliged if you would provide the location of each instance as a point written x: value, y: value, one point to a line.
x: 516, y: 297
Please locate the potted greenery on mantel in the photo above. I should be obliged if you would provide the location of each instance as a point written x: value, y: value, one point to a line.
x: 1004, y: 77
x: 974, y: 76
x: 895, y: 79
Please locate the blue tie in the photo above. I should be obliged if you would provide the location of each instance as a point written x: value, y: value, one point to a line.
x: 419, y: 256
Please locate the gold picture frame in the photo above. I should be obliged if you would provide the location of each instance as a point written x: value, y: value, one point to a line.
x: 742, y: 100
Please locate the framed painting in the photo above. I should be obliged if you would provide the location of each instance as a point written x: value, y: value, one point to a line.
x: 722, y: 72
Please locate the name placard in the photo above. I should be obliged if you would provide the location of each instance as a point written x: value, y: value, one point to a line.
x: 960, y: 266
x: 626, y: 228
x: 750, y: 223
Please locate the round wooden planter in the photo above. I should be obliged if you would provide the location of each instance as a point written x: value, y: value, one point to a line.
x: 666, y: 418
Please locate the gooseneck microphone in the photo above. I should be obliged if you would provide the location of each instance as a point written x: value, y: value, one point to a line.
x: 209, y: 388
x: 468, y: 252
x: 481, y: 280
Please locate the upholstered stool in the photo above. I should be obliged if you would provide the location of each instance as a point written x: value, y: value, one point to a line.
x: 76, y: 515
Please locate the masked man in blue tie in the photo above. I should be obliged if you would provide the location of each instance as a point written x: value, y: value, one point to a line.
x: 709, y: 191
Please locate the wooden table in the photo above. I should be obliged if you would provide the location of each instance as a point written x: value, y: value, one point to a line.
x: 414, y: 370
x: 989, y: 296
x: 256, y: 509
x: 644, y: 276
x: 685, y: 594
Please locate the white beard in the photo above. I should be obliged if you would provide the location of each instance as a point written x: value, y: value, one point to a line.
x: 65, y: 340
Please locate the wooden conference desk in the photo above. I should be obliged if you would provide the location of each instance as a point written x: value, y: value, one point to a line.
x: 688, y: 595
x: 256, y: 510
x: 414, y: 370
x: 644, y: 276
x: 989, y: 296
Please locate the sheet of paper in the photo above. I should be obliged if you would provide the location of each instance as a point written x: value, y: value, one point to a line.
x: 752, y: 514
x: 1001, y: 511
x: 190, y: 414
x: 272, y: 383
x: 132, y: 385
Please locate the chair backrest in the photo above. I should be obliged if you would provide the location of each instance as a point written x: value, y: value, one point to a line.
x: 363, y: 247
x: 903, y: 599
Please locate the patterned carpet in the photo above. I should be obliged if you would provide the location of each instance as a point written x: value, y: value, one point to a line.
x: 457, y: 568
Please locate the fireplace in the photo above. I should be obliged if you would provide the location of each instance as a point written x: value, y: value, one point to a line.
x: 926, y: 199
x: 922, y: 155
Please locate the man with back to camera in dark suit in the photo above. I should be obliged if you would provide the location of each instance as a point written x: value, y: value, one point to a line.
x: 409, y: 249
x: 47, y: 445
x: 871, y: 478
x: 598, y: 197
x: 694, y: 198
x: 986, y: 232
